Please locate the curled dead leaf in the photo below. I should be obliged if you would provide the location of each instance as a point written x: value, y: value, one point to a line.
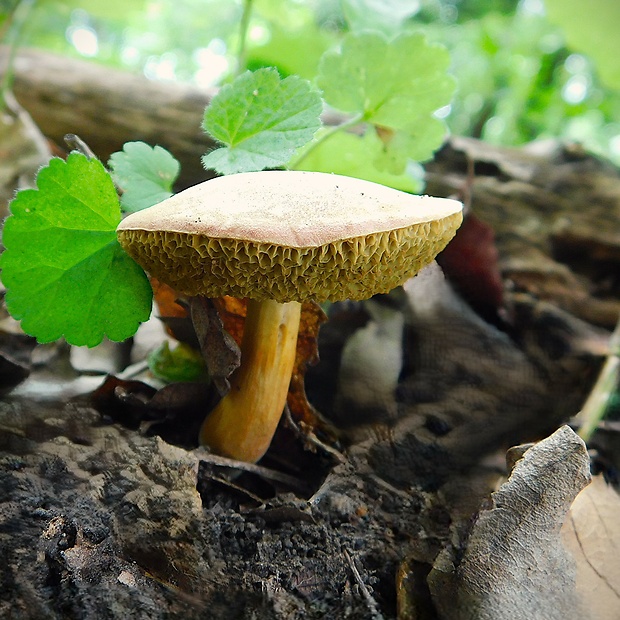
x: 591, y: 533
x: 514, y: 564
x: 471, y: 263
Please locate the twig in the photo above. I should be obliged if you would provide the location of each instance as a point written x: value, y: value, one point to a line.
x: 243, y: 36
x: 370, y: 602
x: 221, y: 461
x: 12, y: 32
x: 311, y: 438
x: 76, y: 143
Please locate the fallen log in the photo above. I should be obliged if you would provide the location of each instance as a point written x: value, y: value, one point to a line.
x: 108, y: 107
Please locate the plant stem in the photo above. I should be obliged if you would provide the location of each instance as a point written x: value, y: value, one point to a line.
x: 354, y: 120
x: 243, y: 36
x: 597, y: 402
x: 12, y: 32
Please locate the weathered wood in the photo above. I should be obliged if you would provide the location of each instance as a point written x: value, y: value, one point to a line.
x: 108, y: 107
x: 555, y: 210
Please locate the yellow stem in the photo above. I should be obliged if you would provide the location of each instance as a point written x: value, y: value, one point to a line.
x: 243, y: 423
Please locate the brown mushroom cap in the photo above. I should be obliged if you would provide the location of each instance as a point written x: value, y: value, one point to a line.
x: 288, y: 235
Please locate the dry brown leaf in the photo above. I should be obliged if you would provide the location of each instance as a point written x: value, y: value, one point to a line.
x: 219, y: 349
x: 312, y: 316
x: 592, y: 535
x: 167, y: 300
x: 471, y: 262
x: 514, y: 565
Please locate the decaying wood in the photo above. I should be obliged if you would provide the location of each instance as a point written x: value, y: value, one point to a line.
x: 107, y: 107
x: 23, y: 150
x: 555, y: 210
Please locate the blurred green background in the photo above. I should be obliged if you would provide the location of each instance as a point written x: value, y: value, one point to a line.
x: 526, y: 70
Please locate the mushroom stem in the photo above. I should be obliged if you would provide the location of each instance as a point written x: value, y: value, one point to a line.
x: 243, y: 423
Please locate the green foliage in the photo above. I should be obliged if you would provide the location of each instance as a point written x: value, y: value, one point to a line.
x: 592, y: 27
x: 179, y: 364
x: 395, y: 86
x: 145, y: 174
x: 65, y: 272
x: 355, y: 156
x: 288, y: 26
x: 261, y: 120
x: 513, y: 65
x: 389, y: 82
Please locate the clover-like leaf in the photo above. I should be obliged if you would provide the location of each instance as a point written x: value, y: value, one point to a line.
x: 65, y: 272
x: 144, y: 173
x: 396, y: 86
x: 414, y: 143
x: 390, y: 82
x: 261, y: 120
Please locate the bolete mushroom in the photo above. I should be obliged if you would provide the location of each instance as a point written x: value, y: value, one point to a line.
x: 279, y: 238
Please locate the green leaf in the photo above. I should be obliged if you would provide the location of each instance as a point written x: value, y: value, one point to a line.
x: 390, y: 82
x: 179, y: 364
x: 417, y: 143
x: 356, y: 156
x: 261, y: 120
x: 145, y: 174
x: 65, y: 272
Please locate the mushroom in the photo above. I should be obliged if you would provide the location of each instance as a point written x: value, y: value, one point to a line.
x: 279, y: 238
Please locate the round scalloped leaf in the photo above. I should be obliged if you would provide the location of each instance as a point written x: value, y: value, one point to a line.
x: 64, y: 270
x: 390, y: 82
x: 144, y: 173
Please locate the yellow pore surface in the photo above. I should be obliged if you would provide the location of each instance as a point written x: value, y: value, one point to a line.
x: 355, y: 268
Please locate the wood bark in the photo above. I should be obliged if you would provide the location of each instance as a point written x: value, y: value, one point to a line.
x: 108, y: 107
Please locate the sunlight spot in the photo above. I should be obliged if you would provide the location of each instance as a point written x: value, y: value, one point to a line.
x: 576, y: 89
x: 212, y: 63
x: 443, y: 112
x: 576, y: 63
x: 614, y: 146
x: 161, y: 67
x: 130, y: 55
x: 532, y: 7
x: 84, y: 39
x: 259, y: 35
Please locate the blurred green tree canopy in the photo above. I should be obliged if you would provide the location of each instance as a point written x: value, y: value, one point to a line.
x: 526, y: 70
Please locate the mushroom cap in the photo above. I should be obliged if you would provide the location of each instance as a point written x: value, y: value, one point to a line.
x: 289, y: 236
